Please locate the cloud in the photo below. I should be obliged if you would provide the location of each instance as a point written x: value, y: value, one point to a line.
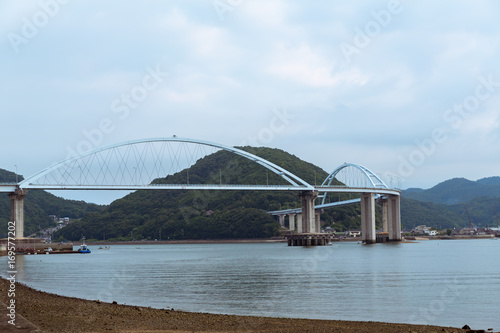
x: 227, y: 76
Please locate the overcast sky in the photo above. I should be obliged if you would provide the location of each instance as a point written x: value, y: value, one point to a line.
x: 410, y: 89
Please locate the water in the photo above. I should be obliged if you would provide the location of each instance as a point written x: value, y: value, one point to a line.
x: 447, y: 283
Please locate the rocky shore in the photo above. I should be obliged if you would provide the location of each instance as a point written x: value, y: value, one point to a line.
x: 53, y: 313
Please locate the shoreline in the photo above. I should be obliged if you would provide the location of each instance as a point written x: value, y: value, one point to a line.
x: 188, y: 241
x: 54, y: 313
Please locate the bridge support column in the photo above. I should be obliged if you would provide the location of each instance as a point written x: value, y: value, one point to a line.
x: 394, y: 217
x: 281, y: 219
x: 308, y: 218
x: 17, y: 211
x: 385, y: 212
x: 291, y: 222
x: 368, y: 218
x: 299, y: 223
x: 317, y: 219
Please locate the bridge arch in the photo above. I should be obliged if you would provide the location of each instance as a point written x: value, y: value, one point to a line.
x: 68, y: 173
x: 362, y: 178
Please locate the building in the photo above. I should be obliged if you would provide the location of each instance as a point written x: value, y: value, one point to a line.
x: 353, y: 233
x: 423, y: 230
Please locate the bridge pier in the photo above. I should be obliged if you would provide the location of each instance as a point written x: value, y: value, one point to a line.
x: 308, y: 223
x: 394, y: 217
x: 299, y: 223
x: 391, y: 216
x: 17, y: 210
x: 368, y: 218
x: 291, y: 221
x: 317, y: 220
x: 281, y: 219
x: 308, y: 213
x: 384, y: 203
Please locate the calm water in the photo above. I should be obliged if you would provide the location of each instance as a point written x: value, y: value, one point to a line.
x: 448, y: 283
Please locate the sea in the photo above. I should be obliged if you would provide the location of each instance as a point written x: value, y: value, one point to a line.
x: 436, y: 282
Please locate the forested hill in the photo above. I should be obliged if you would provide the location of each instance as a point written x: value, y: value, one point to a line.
x: 233, y: 214
x: 457, y: 191
x: 240, y: 214
x: 209, y: 214
x: 38, y: 205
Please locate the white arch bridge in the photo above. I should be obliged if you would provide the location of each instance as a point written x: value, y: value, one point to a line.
x: 165, y: 164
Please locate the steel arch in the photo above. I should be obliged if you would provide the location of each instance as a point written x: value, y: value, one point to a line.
x: 294, y: 180
x: 372, y: 177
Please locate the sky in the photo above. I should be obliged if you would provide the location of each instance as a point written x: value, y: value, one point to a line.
x: 409, y: 89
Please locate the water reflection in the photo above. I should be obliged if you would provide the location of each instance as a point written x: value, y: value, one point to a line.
x: 381, y: 282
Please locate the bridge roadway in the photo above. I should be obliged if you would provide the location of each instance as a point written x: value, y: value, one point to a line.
x: 8, y: 187
x: 11, y: 187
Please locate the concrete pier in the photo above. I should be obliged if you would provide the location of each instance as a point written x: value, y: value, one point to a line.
x: 281, y: 218
x: 291, y: 221
x: 391, y: 217
x: 317, y: 219
x: 394, y: 217
x: 17, y: 210
x: 368, y: 218
x: 384, y: 204
x: 299, y: 223
x: 308, y: 212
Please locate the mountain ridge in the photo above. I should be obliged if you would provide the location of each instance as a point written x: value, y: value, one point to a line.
x: 456, y: 190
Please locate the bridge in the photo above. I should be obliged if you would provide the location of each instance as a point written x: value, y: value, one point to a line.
x: 151, y: 164
x: 356, y: 179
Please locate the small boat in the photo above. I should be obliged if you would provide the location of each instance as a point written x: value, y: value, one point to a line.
x: 83, y: 248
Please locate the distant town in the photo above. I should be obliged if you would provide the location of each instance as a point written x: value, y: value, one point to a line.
x: 418, y: 231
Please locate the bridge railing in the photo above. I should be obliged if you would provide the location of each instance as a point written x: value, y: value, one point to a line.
x: 168, y: 187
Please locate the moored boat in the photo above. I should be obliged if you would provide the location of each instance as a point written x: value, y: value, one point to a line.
x: 83, y: 248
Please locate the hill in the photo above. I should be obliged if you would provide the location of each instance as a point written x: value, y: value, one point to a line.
x: 452, y: 197
x: 456, y: 191
x: 211, y: 214
x: 38, y: 205
x: 440, y: 216
x: 483, y: 211
x: 242, y: 214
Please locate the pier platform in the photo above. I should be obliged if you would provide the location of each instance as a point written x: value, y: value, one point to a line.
x: 35, y: 245
x: 309, y: 239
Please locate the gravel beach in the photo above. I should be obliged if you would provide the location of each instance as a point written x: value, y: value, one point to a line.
x: 53, y: 313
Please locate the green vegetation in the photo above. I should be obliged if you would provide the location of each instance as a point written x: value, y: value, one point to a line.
x: 414, y: 212
x: 212, y: 214
x: 444, y: 205
x: 457, y: 190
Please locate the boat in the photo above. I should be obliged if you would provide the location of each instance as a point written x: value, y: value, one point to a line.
x: 83, y: 248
